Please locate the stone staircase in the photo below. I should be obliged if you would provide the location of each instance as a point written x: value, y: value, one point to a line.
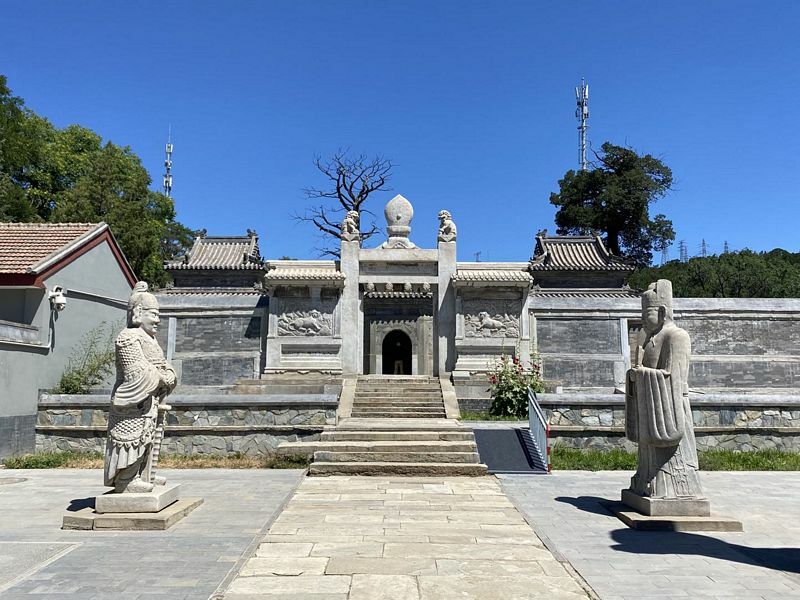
x: 396, y: 426
x: 392, y: 397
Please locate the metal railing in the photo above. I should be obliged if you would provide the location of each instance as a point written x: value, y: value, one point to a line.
x: 539, y: 428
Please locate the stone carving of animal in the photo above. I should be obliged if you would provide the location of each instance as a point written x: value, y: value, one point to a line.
x: 489, y: 325
x: 311, y: 323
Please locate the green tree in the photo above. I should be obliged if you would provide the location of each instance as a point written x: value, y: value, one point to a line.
x: 68, y: 174
x: 614, y: 198
x: 745, y: 274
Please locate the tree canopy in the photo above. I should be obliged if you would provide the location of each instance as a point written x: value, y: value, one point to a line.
x: 614, y: 198
x: 69, y: 174
x: 745, y: 274
x: 349, y: 183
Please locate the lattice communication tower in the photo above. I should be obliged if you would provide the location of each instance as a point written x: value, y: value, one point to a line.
x: 582, y: 114
x: 168, y: 166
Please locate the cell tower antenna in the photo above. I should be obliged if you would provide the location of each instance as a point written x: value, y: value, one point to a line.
x: 168, y: 165
x: 582, y: 114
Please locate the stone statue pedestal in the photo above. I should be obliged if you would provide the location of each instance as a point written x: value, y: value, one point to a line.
x: 657, y: 514
x: 659, y: 507
x: 156, y: 510
x: 159, y: 499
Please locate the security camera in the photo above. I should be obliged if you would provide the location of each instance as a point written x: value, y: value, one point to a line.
x: 57, y: 298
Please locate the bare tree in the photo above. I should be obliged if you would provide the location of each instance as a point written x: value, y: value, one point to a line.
x: 351, y: 180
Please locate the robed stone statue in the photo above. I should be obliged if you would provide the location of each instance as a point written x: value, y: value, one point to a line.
x: 135, y: 420
x: 658, y: 414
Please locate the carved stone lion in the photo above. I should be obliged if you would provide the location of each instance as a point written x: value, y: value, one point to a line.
x: 350, y: 229
x: 447, y: 228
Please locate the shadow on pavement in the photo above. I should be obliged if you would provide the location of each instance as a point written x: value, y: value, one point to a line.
x: 673, y: 542
x: 77, y: 504
x: 590, y: 504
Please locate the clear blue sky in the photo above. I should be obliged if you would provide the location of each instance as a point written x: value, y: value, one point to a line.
x: 472, y: 100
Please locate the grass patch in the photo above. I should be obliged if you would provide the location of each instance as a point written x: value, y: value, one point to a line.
x: 574, y: 459
x: 757, y: 460
x: 94, y: 460
x: 485, y: 416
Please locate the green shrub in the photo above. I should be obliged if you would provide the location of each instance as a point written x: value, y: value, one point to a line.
x: 509, y: 380
x: 90, y: 363
x: 54, y: 460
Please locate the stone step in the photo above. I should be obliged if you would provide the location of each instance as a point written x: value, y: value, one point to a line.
x: 429, y: 424
x: 397, y: 468
x: 399, y: 391
x: 397, y: 436
x: 407, y: 456
x: 393, y: 414
x: 387, y: 404
x: 410, y: 401
x: 377, y: 446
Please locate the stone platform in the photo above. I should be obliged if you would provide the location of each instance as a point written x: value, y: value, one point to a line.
x: 656, y: 514
x: 156, y: 510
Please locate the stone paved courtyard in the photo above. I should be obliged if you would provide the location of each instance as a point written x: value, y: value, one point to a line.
x: 360, y: 537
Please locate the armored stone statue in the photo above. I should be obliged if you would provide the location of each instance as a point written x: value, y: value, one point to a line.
x: 350, y: 229
x: 447, y: 229
x: 144, y: 378
x: 658, y: 415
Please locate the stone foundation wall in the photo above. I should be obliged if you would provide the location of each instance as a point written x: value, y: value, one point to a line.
x: 729, y: 421
x: 198, y: 424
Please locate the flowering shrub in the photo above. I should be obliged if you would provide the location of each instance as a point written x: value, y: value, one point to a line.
x: 510, y: 380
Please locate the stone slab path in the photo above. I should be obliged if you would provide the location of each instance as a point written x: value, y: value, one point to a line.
x: 763, y: 562
x: 404, y: 538
x: 189, y: 561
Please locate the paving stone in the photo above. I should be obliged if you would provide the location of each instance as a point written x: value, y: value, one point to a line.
x: 384, y: 587
x: 290, y: 549
x: 284, y: 586
x: 347, y: 565
x: 284, y: 566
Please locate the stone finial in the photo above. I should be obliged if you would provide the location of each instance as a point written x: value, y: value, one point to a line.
x: 389, y: 287
x: 426, y: 287
x: 447, y: 228
x: 398, y: 213
x: 350, y: 230
x: 407, y: 288
x: 370, y: 287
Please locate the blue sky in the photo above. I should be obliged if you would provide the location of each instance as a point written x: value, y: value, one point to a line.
x: 472, y: 100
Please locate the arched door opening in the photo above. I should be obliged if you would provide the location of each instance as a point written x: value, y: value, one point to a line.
x: 396, y: 352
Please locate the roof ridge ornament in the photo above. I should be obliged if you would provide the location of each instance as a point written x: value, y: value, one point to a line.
x: 398, y: 213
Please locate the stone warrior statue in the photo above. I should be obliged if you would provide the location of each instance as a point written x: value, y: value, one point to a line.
x: 144, y: 378
x: 658, y: 415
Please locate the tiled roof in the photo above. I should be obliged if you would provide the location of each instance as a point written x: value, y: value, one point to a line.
x: 585, y: 293
x: 514, y: 274
x: 303, y: 275
x: 28, y: 247
x: 574, y: 253
x: 234, y: 252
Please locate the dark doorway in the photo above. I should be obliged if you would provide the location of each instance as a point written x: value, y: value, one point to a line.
x: 396, y: 353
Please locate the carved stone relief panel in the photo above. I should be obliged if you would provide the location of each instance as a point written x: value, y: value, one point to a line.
x: 306, y: 317
x: 491, y: 318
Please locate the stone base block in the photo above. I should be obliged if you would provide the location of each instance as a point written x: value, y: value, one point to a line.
x: 658, y: 507
x: 636, y: 520
x: 87, y: 518
x: 152, y: 502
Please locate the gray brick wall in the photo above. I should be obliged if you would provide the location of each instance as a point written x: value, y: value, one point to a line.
x: 592, y: 372
x: 743, y: 373
x: 17, y: 435
x: 218, y: 334
x: 216, y: 370
x: 740, y: 336
x: 578, y: 336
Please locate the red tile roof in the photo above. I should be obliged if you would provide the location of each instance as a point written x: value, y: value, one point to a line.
x: 26, y: 247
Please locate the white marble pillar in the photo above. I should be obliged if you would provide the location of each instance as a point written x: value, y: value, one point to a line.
x: 446, y: 310
x: 350, y: 310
